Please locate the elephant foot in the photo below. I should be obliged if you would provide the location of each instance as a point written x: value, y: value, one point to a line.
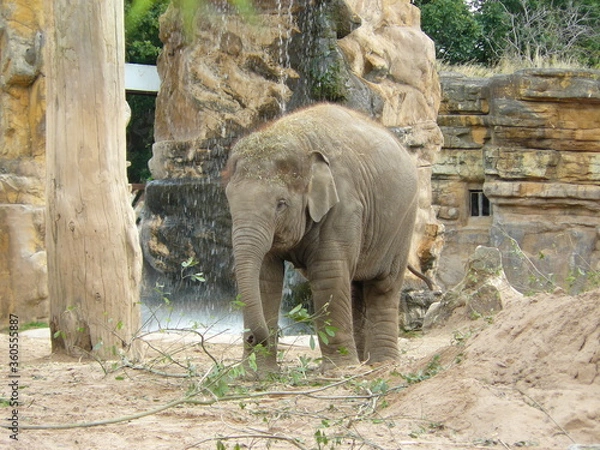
x: 379, y: 358
x: 261, y: 374
x: 259, y: 363
x: 337, y: 363
x: 381, y: 355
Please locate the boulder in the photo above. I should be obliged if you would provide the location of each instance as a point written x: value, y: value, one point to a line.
x: 482, y: 292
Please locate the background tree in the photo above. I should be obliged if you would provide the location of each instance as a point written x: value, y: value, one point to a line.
x: 542, y: 29
x: 142, y: 46
x: 94, y: 258
x: 487, y: 31
x: 453, y: 28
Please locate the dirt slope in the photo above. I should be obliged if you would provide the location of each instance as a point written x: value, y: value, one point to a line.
x: 529, y: 378
x: 532, y: 377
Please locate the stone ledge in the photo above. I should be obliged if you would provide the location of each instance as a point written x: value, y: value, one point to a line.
x: 531, y: 189
x: 556, y: 85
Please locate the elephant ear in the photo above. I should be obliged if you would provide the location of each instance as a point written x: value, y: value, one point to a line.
x: 322, y: 194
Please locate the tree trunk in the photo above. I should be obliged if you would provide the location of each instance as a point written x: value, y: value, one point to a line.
x: 94, y: 258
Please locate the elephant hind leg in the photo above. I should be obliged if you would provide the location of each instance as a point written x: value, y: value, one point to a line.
x: 381, y: 330
x: 359, y: 318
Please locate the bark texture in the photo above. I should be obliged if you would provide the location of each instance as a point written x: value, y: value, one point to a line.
x: 94, y: 262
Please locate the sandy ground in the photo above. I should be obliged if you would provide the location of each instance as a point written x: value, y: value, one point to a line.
x: 528, y: 377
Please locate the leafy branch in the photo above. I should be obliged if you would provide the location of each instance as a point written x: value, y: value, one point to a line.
x: 191, y: 399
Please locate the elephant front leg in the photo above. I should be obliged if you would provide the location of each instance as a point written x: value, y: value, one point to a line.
x: 271, y: 285
x: 333, y: 317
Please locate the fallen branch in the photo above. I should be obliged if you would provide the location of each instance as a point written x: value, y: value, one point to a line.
x: 191, y: 400
x: 267, y: 436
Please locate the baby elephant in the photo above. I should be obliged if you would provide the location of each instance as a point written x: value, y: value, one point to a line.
x: 336, y: 195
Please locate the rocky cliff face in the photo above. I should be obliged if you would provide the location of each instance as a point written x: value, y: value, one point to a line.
x: 530, y: 142
x: 224, y: 74
x: 23, y: 276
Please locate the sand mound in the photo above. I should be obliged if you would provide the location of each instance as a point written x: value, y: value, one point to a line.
x: 530, y: 378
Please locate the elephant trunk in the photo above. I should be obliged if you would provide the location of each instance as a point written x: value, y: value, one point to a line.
x: 250, y: 245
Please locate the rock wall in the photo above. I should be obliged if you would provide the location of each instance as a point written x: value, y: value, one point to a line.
x: 528, y: 141
x: 225, y: 74
x: 531, y: 142
x: 23, y: 276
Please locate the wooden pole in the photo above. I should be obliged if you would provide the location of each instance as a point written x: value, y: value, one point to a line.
x: 94, y: 258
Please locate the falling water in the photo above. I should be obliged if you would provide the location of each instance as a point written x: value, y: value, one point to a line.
x: 194, y: 221
x: 285, y: 33
x: 189, y: 216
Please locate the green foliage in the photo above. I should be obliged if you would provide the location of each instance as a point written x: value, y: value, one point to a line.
x: 432, y: 369
x: 327, y: 332
x: 327, y: 82
x: 488, y: 31
x: 238, y: 304
x: 495, y: 26
x: 142, y: 43
x: 188, y: 264
x: 142, y: 46
x: 300, y: 314
x: 454, y: 30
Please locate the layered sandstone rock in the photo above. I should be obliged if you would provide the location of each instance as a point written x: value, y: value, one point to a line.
x: 227, y: 74
x: 23, y: 276
x: 531, y: 142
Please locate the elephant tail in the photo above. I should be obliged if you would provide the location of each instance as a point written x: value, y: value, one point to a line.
x: 425, y: 278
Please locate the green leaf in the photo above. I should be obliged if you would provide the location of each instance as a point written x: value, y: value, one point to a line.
x: 330, y: 330
x: 295, y: 310
x: 298, y: 314
x: 58, y: 334
x: 252, y: 362
x: 238, y: 304
x: 199, y: 277
x: 190, y: 262
x: 324, y: 337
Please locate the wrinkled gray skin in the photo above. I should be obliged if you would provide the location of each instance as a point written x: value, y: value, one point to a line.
x: 336, y: 195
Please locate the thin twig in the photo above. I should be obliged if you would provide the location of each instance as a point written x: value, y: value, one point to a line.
x: 276, y: 437
x: 505, y: 445
x: 143, y: 368
x: 190, y: 399
x: 541, y: 408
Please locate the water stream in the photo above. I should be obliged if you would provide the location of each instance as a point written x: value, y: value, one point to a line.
x: 189, y: 216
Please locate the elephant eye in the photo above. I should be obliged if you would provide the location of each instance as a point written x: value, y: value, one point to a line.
x: 281, y: 204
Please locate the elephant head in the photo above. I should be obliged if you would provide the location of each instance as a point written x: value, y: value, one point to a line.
x: 277, y: 188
